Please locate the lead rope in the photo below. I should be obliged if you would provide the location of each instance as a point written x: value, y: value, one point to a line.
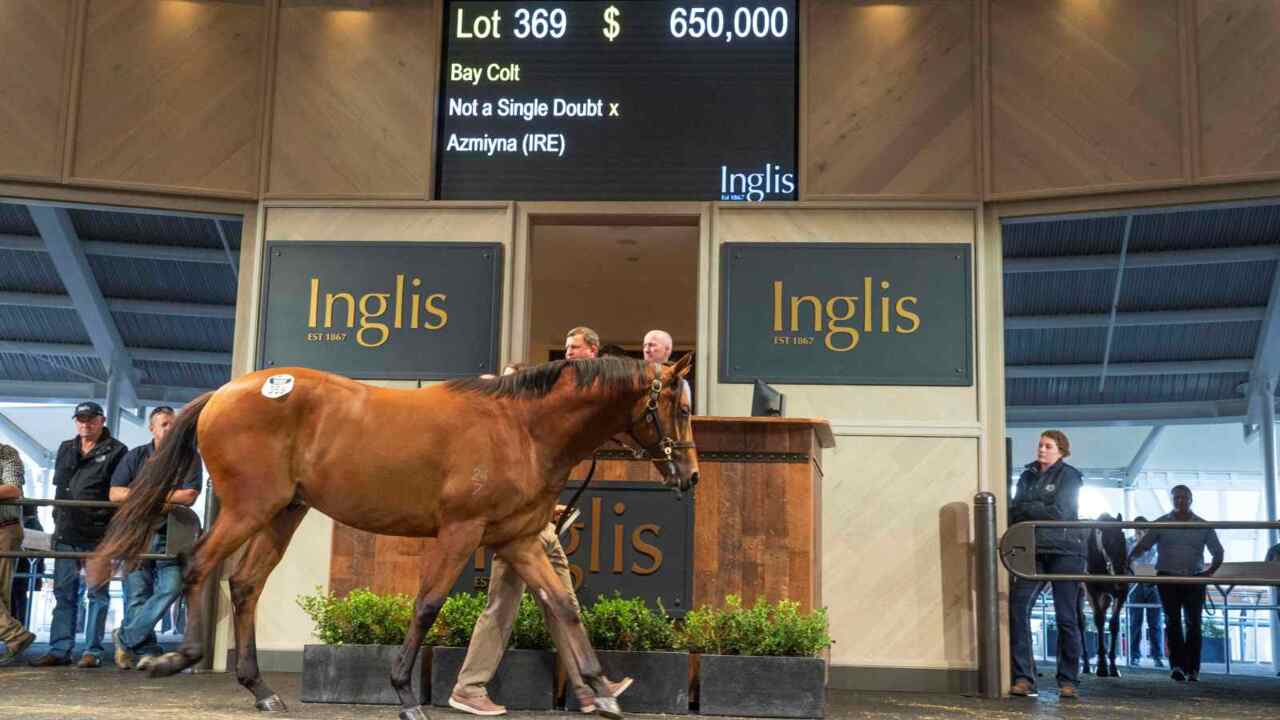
x: 568, y: 508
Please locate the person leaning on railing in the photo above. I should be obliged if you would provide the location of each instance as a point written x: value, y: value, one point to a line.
x: 1181, y: 552
x: 15, y: 637
x: 1049, y: 489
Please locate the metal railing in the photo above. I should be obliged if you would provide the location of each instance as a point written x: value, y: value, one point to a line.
x: 1018, y: 554
x: 182, y: 527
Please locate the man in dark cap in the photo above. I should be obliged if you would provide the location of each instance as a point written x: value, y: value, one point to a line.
x: 82, y: 471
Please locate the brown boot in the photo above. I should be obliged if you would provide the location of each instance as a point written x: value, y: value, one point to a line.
x: 1022, y: 687
x: 1067, y: 691
x: 478, y: 705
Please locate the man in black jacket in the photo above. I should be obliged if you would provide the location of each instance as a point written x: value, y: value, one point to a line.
x: 82, y: 472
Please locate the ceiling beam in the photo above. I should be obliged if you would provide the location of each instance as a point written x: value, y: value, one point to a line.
x: 1115, y: 303
x: 1265, y: 368
x: 70, y: 393
x: 1153, y: 210
x: 1182, y: 367
x: 1204, y: 412
x: 68, y: 256
x: 20, y: 439
x: 140, y: 307
x: 195, y: 357
x: 136, y: 251
x: 1144, y: 453
x: 33, y: 202
x: 1139, y: 261
x: 1136, y: 319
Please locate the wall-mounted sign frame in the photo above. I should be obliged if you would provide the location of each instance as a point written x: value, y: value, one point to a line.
x: 382, y: 310
x: 846, y: 313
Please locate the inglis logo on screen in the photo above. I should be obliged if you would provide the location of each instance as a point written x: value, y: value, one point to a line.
x: 756, y: 186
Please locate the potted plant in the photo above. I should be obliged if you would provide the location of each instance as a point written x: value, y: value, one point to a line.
x: 632, y: 639
x: 525, y: 679
x: 361, y: 635
x: 760, y: 661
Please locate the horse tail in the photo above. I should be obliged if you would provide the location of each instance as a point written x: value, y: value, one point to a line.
x: 133, y: 524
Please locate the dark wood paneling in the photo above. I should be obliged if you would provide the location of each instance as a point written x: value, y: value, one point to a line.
x: 1238, y: 64
x: 34, y: 40
x: 1084, y: 94
x: 171, y: 94
x: 755, y: 523
x: 890, y: 99
x: 353, y: 106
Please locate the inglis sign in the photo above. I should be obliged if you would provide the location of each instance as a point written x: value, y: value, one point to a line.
x: 846, y: 314
x: 382, y: 310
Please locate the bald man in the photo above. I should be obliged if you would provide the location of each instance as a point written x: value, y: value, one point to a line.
x: 657, y: 346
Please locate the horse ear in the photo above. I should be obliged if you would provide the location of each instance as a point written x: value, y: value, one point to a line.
x: 682, y: 366
x: 1119, y: 517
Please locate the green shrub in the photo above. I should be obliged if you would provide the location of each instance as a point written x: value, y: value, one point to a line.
x: 530, y: 631
x: 615, y: 623
x: 361, y: 618
x: 456, y: 620
x: 763, y: 629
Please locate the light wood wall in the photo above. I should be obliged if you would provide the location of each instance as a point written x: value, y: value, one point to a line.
x: 898, y: 487
x: 900, y: 99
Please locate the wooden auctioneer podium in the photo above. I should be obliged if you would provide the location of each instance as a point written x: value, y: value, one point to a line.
x: 757, y: 506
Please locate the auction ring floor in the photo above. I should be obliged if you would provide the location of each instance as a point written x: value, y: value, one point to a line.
x: 109, y: 694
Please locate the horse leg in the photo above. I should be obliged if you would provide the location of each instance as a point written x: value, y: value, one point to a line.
x: 230, y: 529
x: 454, y: 547
x: 1101, y: 601
x: 527, y: 557
x: 260, y: 557
x: 1115, y: 629
x: 1084, y: 597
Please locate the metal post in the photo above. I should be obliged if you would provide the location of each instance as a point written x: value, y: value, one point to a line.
x: 984, y: 520
x: 1269, y: 478
x: 113, y: 404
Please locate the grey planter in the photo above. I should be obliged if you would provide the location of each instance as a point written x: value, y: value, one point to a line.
x: 661, y: 681
x: 525, y: 679
x: 358, y: 674
x: 754, y: 686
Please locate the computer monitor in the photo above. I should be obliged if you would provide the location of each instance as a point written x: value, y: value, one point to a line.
x: 765, y: 401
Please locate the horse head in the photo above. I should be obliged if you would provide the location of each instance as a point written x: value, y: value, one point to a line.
x: 1110, y: 542
x: 661, y: 423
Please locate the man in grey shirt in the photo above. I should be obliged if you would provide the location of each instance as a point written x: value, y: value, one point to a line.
x: 1181, y: 552
x: 15, y: 637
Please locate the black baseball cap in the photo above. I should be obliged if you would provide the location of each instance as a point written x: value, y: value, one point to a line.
x: 88, y: 408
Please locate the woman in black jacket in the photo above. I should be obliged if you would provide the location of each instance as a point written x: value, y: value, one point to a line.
x: 1049, y: 489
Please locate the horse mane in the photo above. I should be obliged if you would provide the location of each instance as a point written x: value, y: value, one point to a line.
x: 614, y: 374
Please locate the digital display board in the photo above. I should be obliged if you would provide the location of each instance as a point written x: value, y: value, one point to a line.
x: 621, y: 100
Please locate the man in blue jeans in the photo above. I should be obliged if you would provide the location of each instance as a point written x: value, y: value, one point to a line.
x: 155, y: 584
x: 82, y: 471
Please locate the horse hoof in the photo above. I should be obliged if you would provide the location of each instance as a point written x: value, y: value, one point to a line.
x: 170, y: 663
x: 1115, y: 673
x: 1102, y: 672
x: 413, y: 713
x: 607, y: 707
x: 271, y: 704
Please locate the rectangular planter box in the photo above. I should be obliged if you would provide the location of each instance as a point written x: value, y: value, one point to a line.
x: 525, y: 679
x: 661, y: 681
x: 754, y: 686
x: 358, y: 674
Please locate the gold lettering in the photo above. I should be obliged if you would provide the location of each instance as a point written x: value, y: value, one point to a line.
x: 480, y: 559
x: 777, y: 306
x: 851, y: 308
x: 617, y: 548
x: 437, y: 311
x: 575, y: 539
x: 884, y: 309
x: 867, y: 307
x: 907, y: 314
x: 399, y: 300
x: 365, y: 315
x: 575, y: 572
x: 315, y: 293
x: 653, y: 552
x: 330, y: 299
x: 795, y: 312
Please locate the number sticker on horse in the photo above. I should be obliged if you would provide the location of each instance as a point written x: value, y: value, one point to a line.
x: 277, y: 386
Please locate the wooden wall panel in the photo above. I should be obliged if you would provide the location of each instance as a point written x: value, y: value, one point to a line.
x: 353, y: 106
x: 891, y: 99
x: 1238, y: 64
x: 171, y: 94
x: 1084, y: 94
x: 34, y: 47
